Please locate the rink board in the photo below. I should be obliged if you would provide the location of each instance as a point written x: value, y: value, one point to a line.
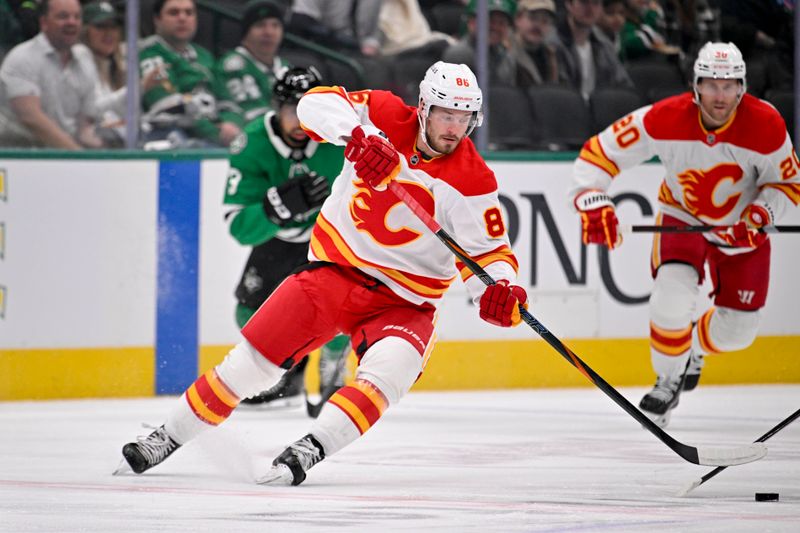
x: 117, y: 279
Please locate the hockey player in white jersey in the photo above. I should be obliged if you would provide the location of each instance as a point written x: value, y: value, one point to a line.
x: 729, y: 161
x: 376, y: 273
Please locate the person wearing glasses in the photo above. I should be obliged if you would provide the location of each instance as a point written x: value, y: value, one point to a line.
x: 730, y: 162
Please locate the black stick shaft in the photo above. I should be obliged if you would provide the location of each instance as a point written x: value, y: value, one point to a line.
x: 705, y: 229
x: 689, y: 453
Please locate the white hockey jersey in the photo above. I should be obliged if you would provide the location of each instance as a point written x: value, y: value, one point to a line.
x: 711, y: 176
x: 375, y: 232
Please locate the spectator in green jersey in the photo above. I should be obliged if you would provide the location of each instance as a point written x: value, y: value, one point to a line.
x: 183, y: 107
x: 247, y: 73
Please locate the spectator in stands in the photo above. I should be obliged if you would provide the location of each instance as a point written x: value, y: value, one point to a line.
x: 690, y: 24
x: 405, y: 30
x: 182, y: 107
x: 590, y: 60
x: 611, y: 22
x: 247, y: 74
x: 349, y: 24
x: 47, y: 85
x: 19, y: 21
x: 102, y: 35
x: 643, y: 32
x: 762, y: 29
x: 532, y: 45
x: 502, y: 67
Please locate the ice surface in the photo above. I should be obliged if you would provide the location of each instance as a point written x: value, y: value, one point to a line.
x: 506, y: 461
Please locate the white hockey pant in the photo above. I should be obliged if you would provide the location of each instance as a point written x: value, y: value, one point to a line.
x: 672, y: 308
x: 728, y: 330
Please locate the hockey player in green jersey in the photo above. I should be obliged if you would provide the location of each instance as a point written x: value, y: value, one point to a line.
x: 277, y: 182
x: 247, y: 74
x: 183, y: 107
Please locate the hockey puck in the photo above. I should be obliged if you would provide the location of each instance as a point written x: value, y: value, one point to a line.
x: 766, y: 496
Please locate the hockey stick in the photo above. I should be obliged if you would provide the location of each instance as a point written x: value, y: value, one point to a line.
x: 766, y: 436
x: 699, y: 456
x: 313, y: 409
x: 627, y: 228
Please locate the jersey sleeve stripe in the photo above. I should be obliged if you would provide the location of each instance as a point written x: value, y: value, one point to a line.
x: 313, y: 136
x: 502, y: 253
x: 593, y: 153
x: 791, y: 190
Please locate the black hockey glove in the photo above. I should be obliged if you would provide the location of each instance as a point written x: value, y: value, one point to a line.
x: 295, y: 200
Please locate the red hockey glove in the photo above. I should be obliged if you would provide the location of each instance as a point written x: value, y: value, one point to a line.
x: 355, y: 145
x: 500, y: 303
x: 358, y: 141
x: 745, y: 234
x: 378, y: 163
x: 598, y: 219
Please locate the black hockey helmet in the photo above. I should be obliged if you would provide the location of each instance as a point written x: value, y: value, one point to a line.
x: 294, y: 83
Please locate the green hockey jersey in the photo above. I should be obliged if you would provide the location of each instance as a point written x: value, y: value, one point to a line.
x: 186, y: 97
x: 261, y: 159
x: 246, y: 85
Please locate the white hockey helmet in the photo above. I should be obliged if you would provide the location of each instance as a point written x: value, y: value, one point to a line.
x: 450, y: 86
x: 719, y: 61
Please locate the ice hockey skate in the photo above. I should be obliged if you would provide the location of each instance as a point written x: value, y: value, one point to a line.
x: 659, y: 402
x: 696, y: 363
x: 290, y: 467
x: 288, y: 393
x: 147, y: 452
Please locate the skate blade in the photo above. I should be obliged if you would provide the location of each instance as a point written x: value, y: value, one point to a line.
x: 280, y: 404
x: 278, y: 475
x: 123, y: 468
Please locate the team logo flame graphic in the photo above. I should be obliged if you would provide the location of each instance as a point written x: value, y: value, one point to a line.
x: 702, y: 190
x: 372, y: 213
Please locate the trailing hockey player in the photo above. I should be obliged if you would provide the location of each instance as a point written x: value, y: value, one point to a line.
x: 277, y: 181
x: 376, y: 272
x: 729, y: 161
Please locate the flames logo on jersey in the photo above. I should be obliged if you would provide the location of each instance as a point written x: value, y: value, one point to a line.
x: 701, y: 188
x: 370, y: 210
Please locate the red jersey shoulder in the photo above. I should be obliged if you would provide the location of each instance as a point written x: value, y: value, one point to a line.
x: 464, y: 170
x: 758, y: 126
x: 674, y: 118
x: 394, y: 117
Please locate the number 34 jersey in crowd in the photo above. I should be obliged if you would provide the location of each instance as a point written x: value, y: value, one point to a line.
x: 375, y: 232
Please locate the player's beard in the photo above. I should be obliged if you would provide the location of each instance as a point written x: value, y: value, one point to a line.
x: 445, y: 143
x: 719, y: 115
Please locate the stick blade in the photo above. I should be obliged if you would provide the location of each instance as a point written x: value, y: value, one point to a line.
x: 731, y: 456
x: 688, y: 488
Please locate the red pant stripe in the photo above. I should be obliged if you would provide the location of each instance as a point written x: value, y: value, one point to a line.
x: 206, y: 403
x: 704, y: 334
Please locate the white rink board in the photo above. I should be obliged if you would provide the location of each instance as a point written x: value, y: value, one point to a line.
x: 577, y: 310
x: 79, y: 258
